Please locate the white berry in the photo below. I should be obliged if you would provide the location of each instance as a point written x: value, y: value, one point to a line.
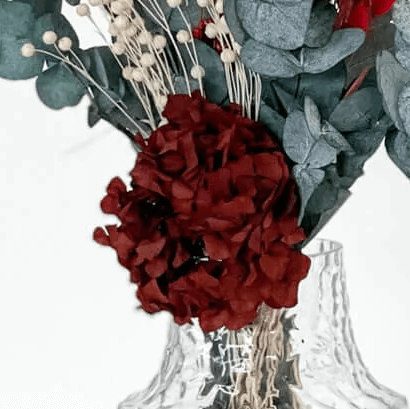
x: 228, y: 56
x: 121, y: 22
x: 131, y: 31
x: 160, y: 42
x: 127, y: 72
x: 83, y: 10
x: 138, y: 74
x: 219, y: 6
x: 49, y: 37
x: 174, y: 3
x: 28, y: 50
x: 197, y: 72
x: 119, y: 7
x: 147, y: 60
x: 211, y: 30
x: 65, y: 44
x: 113, y: 30
x: 183, y: 36
x: 145, y: 38
x: 95, y: 3
x: 118, y: 48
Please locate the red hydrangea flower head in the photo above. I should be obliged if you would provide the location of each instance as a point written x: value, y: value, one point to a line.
x: 209, y: 226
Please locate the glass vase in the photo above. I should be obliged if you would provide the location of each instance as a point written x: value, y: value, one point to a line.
x: 298, y: 358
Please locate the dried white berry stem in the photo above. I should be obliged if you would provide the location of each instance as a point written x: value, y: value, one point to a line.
x: 87, y: 76
x: 194, y: 57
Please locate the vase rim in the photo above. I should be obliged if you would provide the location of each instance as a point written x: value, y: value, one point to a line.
x: 322, y: 247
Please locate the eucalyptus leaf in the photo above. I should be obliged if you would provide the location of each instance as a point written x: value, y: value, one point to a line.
x: 402, y: 50
x: 404, y: 107
x: 58, y: 87
x: 325, y: 88
x: 314, y: 222
x: 321, y: 154
x: 334, y: 138
x: 214, y: 79
x: 398, y: 148
x: 323, y: 198
x: 288, y: 102
x: 41, y: 7
x: 364, y: 144
x: 180, y: 85
x: 13, y: 65
x: 233, y: 22
x: 321, y: 22
x: 269, y: 61
x: 392, y: 78
x: 104, y: 68
x: 16, y: 19
x: 269, y: 96
x: 273, y: 121
x: 93, y: 115
x: 297, y: 140
x: 358, y: 111
x: 307, y: 180
x: 151, y: 23
x: 279, y: 24
x: 53, y: 22
x: 342, y: 43
x: 312, y: 117
x: 192, y: 12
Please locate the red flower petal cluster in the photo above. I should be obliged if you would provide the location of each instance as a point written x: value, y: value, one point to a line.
x: 360, y: 13
x: 208, y: 227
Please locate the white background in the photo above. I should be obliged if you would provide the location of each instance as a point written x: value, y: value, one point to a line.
x: 70, y: 334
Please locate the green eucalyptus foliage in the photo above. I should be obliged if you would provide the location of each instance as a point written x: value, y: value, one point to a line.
x: 53, y: 22
x: 13, y: 65
x: 59, y: 87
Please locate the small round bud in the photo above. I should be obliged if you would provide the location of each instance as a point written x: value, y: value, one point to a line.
x: 49, y: 37
x: 145, y: 38
x: 156, y: 85
x: 119, y: 7
x: 121, y: 22
x: 228, y: 56
x: 113, y: 30
x: 147, y: 60
x: 183, y: 36
x: 219, y: 6
x: 28, y: 50
x: 138, y: 21
x: 222, y: 26
x: 127, y: 72
x: 160, y: 42
x: 203, y: 3
x: 197, y: 72
x: 211, y: 30
x: 83, y: 10
x: 174, y: 3
x: 65, y: 44
x: 95, y: 3
x: 138, y: 74
x: 118, y: 48
x: 131, y: 31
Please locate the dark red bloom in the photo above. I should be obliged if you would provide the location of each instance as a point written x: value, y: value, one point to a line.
x: 360, y: 13
x: 209, y: 226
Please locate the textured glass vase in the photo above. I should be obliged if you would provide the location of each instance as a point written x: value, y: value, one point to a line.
x: 298, y: 358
